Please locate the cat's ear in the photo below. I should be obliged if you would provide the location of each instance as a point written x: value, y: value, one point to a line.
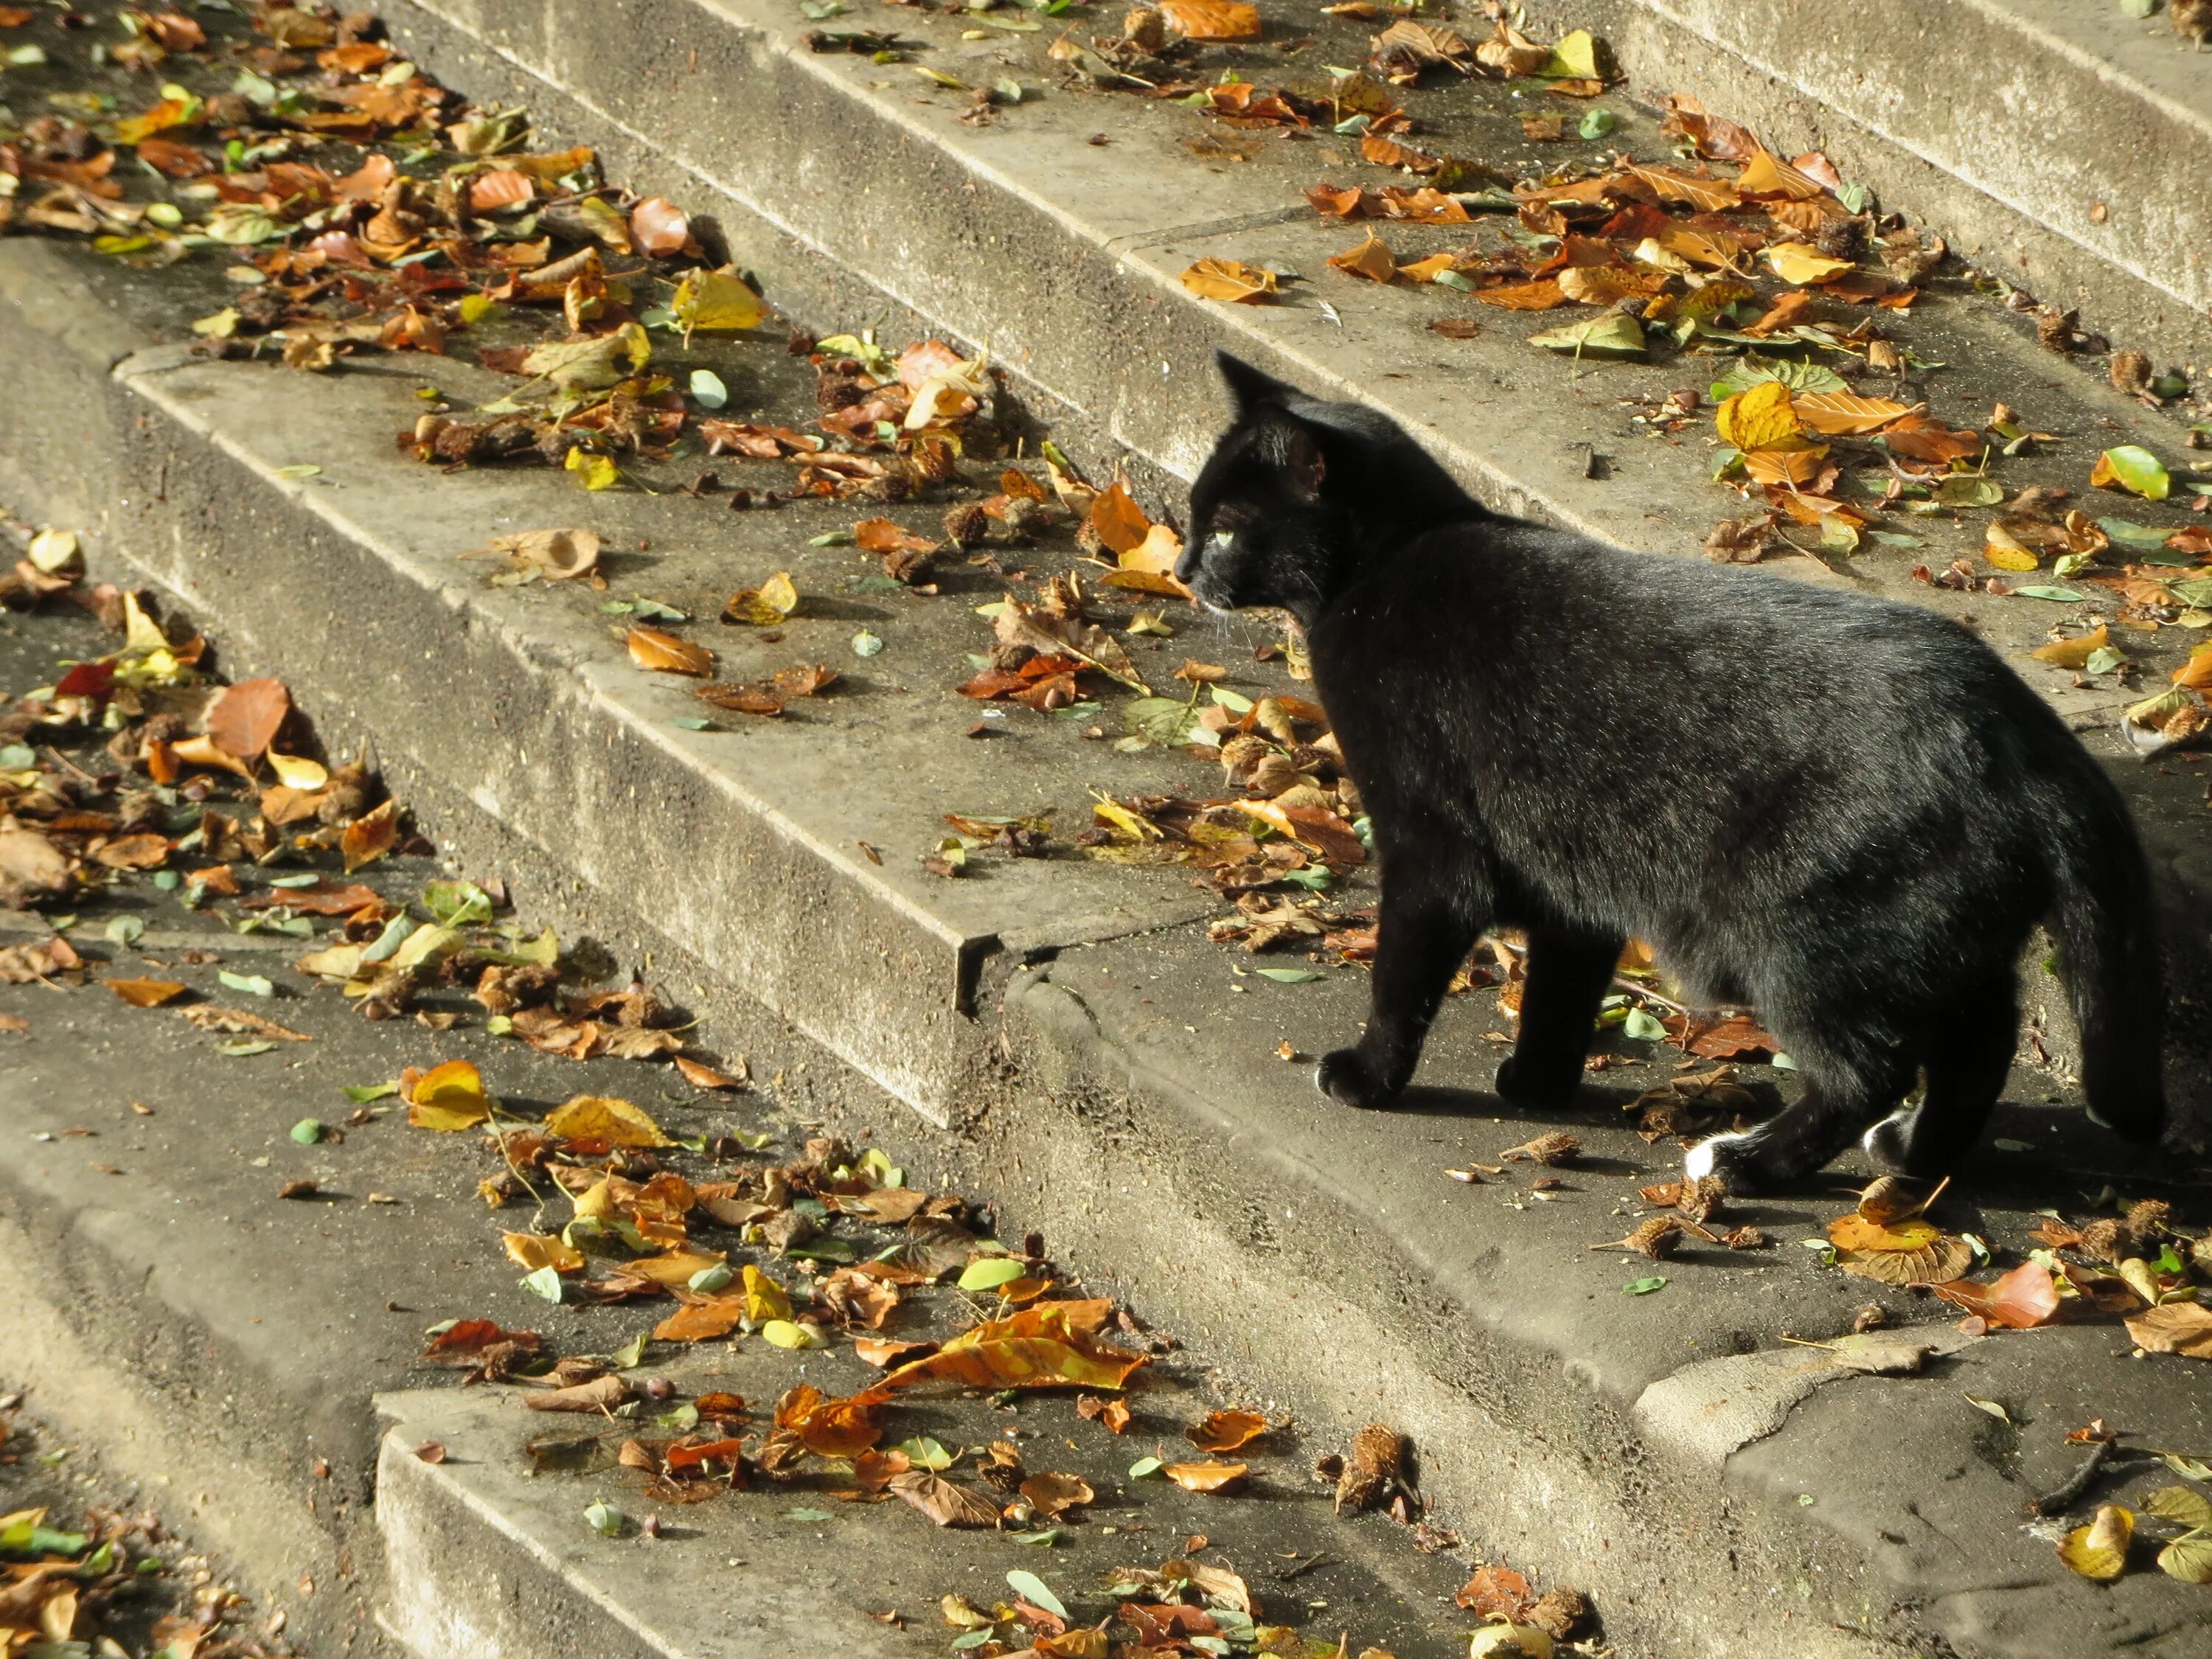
x: 1293, y: 448
x: 1250, y: 387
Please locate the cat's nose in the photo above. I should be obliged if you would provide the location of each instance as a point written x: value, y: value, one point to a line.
x: 1193, y: 554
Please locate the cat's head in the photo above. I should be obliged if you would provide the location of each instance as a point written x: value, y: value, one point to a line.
x: 1295, y: 495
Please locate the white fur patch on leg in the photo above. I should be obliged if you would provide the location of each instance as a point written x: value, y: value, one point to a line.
x: 1899, y: 1117
x: 1697, y: 1161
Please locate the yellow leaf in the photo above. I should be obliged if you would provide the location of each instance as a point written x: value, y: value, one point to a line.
x: 1761, y: 416
x: 2002, y: 549
x: 766, y: 606
x: 653, y: 648
x: 1801, y: 263
x: 1840, y: 413
x: 765, y: 1299
x: 1706, y: 195
x: 674, y: 1268
x: 1575, y: 58
x: 1230, y: 280
x: 295, y: 773
x: 788, y: 1334
x: 603, y: 1120
x: 531, y: 1251
x: 449, y: 1098
x: 2099, y: 1550
x: 715, y: 300
x: 593, y: 470
x: 1766, y: 174
x: 2074, y: 652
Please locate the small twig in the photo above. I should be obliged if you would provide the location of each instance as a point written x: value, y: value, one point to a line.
x: 1288, y: 1573
x: 2063, y: 1498
x: 1645, y: 992
x: 67, y: 765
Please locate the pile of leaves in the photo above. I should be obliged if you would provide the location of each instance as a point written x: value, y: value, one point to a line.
x: 62, y: 1590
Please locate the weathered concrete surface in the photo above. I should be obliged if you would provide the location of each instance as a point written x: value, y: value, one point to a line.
x: 489, y: 1561
x: 2061, y: 146
x: 1165, y: 1147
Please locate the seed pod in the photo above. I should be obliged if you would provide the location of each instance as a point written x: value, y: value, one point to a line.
x: 1560, y: 1614
x: 1553, y: 1149
x: 966, y: 525
x: 1371, y: 1469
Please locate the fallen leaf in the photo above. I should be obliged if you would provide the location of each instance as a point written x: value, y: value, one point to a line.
x: 601, y: 1394
x: 146, y: 993
x: 766, y: 605
x: 242, y: 720
x: 1212, y: 1475
x: 597, y: 1124
x: 2099, y: 1550
x: 531, y: 1251
x: 1372, y: 259
x: 1212, y: 19
x: 2132, y: 468
x: 1230, y: 281
x: 1541, y: 294
x: 1226, y: 1431
x: 449, y: 1098
x: 236, y: 1021
x: 2020, y: 1300
x: 1053, y: 1493
x: 370, y: 836
x: 944, y: 1502
x: 2175, y: 1328
x: 650, y: 648
x: 1049, y: 1345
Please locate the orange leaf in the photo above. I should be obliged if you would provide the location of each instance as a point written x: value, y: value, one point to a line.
x: 1230, y: 280
x: 1673, y: 185
x: 1119, y: 523
x: 649, y: 647
x: 499, y: 187
x: 702, y: 1321
x: 1209, y: 1476
x: 659, y: 228
x: 1836, y: 413
x: 1050, y: 1345
x: 243, y: 718
x: 1225, y: 1432
x: 1372, y: 259
x: 145, y: 992
x: 1212, y: 19
x: 826, y: 1427
x: 1766, y: 174
x: 1496, y: 1591
x: 370, y: 836
x: 1112, y: 1415
x: 2024, y: 1298
x: 1541, y: 294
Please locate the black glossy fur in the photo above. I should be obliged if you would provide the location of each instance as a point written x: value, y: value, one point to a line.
x: 1846, y: 812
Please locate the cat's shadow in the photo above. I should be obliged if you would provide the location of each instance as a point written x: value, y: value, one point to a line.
x: 1592, y: 1109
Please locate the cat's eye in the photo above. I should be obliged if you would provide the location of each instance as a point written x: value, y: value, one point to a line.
x: 1221, y: 541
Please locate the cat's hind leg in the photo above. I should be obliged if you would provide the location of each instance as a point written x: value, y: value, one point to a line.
x: 1967, y: 1062
x: 1567, y: 977
x: 1430, y: 915
x: 1843, y: 1093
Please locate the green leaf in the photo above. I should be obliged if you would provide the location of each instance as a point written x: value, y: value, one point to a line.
x: 457, y: 903
x: 542, y: 1282
x: 1144, y: 1468
x: 241, y: 1050
x: 307, y: 1131
x: 803, y: 1514
x: 2104, y: 658
x: 1044, y: 1540
x: 1596, y: 123
x: 2056, y: 595
x: 1035, y: 1591
x: 1968, y: 489
x: 2188, y: 1558
x: 925, y: 1453
x: 2134, y: 534
x: 866, y: 644
x: 1610, y: 334
x: 1642, y: 1026
x: 1798, y: 376
x: 989, y: 1273
x: 707, y: 1280
x: 2135, y: 469
x: 253, y: 985
x: 1643, y: 1286
x: 1289, y: 976
x: 604, y: 1519
x: 1167, y: 721
x: 707, y: 390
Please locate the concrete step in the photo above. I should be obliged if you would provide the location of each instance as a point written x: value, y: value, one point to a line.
x: 2060, y: 146
x: 1073, y: 1048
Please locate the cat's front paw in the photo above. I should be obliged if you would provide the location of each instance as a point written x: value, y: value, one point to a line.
x: 1537, y: 1087
x: 1345, y: 1077
x: 1888, y: 1144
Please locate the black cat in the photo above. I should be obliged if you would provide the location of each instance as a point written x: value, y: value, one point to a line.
x: 1847, y: 812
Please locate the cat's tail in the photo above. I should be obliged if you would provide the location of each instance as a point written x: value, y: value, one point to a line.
x: 2107, y: 920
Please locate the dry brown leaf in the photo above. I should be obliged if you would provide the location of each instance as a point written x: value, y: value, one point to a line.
x: 945, y: 1502
x: 236, y: 1021
x: 1937, y: 1263
x: 370, y: 836
x: 1231, y: 280
x: 1372, y: 259
x: 601, y: 1394
x: 1541, y: 294
x: 2020, y: 1300
x: 242, y: 720
x: 1212, y: 19
x: 2175, y: 1328
x: 1050, y: 1345
x: 1053, y: 1492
